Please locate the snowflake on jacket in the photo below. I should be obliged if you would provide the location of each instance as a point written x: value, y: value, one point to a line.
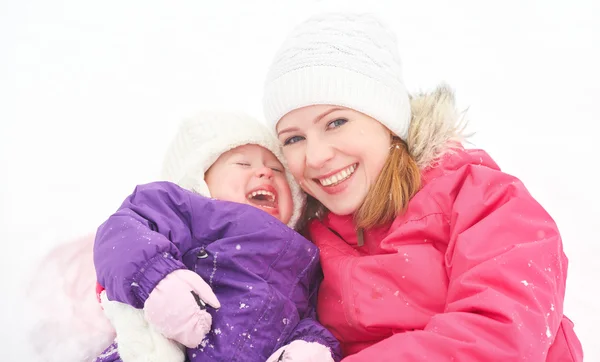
x: 264, y: 273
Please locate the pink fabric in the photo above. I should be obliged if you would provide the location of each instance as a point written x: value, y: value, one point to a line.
x: 302, y: 351
x: 474, y: 270
x: 70, y: 322
x: 173, y: 311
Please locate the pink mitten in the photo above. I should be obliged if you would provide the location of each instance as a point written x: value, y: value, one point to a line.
x: 302, y: 351
x: 174, y: 311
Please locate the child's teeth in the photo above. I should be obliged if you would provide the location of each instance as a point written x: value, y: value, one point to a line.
x: 262, y: 192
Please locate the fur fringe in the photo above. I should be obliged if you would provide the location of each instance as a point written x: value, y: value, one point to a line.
x: 436, y: 127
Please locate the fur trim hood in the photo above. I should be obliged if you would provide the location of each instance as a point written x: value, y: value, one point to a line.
x: 436, y: 127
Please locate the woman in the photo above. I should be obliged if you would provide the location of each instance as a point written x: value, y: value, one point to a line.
x: 429, y: 251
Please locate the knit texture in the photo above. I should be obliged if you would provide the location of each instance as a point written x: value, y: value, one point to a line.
x: 202, y: 139
x: 348, y: 60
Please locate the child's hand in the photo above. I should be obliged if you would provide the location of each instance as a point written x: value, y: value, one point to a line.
x: 175, y: 311
x: 302, y: 351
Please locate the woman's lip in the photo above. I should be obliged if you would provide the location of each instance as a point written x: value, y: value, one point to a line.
x: 337, y: 188
x: 335, y: 172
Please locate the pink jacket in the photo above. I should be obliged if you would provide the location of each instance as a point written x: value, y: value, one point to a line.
x: 473, y: 271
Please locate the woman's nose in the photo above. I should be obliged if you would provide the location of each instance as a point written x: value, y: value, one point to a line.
x: 318, y: 153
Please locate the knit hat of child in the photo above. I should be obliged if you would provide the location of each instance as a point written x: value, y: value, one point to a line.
x: 348, y: 60
x: 202, y: 139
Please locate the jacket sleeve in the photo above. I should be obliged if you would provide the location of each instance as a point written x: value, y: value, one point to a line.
x: 145, y: 239
x: 506, y: 271
x: 310, y: 330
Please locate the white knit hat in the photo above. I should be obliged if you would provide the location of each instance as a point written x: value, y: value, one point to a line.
x: 203, y: 138
x: 348, y: 60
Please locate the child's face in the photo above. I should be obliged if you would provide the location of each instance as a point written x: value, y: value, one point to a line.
x: 252, y: 175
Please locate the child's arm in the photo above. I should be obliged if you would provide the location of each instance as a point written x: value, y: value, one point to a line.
x: 311, y: 331
x: 145, y: 239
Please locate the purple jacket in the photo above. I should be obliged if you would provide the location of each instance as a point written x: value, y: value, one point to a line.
x: 264, y: 273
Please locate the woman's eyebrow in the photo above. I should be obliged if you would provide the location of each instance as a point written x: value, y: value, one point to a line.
x: 327, y: 112
x: 317, y: 119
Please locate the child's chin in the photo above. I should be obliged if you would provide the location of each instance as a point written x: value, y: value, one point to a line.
x: 271, y: 211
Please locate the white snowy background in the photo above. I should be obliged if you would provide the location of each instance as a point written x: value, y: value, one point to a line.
x: 91, y: 93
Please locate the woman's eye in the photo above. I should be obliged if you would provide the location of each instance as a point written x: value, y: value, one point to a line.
x: 336, y: 123
x: 293, y: 140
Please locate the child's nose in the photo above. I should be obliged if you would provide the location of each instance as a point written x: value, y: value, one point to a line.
x: 264, y: 172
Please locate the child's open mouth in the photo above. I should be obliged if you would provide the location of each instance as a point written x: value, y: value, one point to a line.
x: 263, y: 198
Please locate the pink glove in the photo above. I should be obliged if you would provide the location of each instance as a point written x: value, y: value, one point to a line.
x: 175, y: 312
x: 302, y: 351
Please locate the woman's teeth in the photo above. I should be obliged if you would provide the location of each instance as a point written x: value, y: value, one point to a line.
x: 338, y: 177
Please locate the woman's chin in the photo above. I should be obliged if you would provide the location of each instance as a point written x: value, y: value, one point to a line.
x: 342, y: 207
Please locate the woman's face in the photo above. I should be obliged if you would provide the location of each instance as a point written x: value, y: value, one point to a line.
x: 334, y: 153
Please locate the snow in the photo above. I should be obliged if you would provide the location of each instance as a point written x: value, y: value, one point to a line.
x: 92, y: 94
x: 214, y: 270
